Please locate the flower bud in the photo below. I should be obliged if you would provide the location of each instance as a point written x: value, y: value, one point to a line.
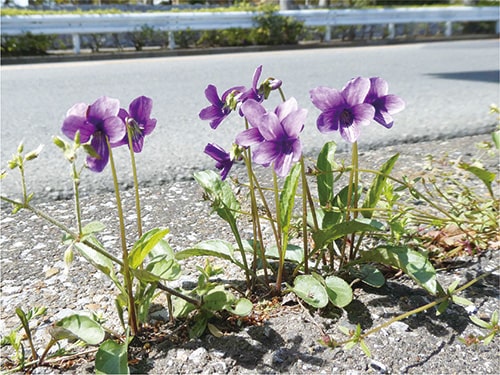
x: 34, y: 154
x: 69, y: 256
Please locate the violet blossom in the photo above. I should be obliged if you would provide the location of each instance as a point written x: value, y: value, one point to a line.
x: 96, y: 122
x: 138, y: 122
x: 385, y: 104
x: 344, y: 110
x: 220, y: 108
x: 224, y: 161
x: 274, y: 136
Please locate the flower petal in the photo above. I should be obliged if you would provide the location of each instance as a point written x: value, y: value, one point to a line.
x: 149, y: 126
x: 211, y: 112
x: 265, y: 153
x: 350, y: 133
x: 103, y: 108
x: 72, y: 124
x: 378, y: 87
x: 293, y: 124
x: 98, y: 143
x: 79, y: 109
x: 140, y: 109
x: 253, y: 111
x: 212, y: 95
x: 249, y: 137
x: 216, y: 152
x: 270, y: 127
x: 355, y: 91
x: 363, y: 113
x: 114, y: 128
x: 285, y: 108
x: 256, y: 77
x: 282, y: 164
x: 325, y: 98
x: 328, y: 122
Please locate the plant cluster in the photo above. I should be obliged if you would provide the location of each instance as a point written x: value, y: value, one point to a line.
x: 322, y: 241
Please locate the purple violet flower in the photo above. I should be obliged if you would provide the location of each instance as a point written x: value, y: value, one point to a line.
x: 253, y: 92
x: 274, y: 135
x: 138, y: 122
x: 223, y: 158
x: 95, y: 122
x: 344, y: 110
x: 220, y: 107
x: 385, y: 104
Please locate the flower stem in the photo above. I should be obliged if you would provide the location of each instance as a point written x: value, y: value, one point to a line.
x: 257, y: 230
x: 281, y: 243
x: 136, y: 183
x: 76, y: 190
x: 305, y: 194
x: 132, y: 315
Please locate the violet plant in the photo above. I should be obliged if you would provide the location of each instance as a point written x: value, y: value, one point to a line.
x: 145, y: 265
x: 335, y: 223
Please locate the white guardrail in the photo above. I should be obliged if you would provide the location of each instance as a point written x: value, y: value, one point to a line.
x: 76, y: 24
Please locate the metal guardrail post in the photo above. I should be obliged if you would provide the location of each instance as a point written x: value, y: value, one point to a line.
x: 448, y: 30
x: 171, y: 40
x: 391, y: 31
x: 498, y: 28
x: 76, y: 43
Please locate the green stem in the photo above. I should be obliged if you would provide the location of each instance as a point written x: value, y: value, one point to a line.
x: 305, y: 194
x: 63, y: 228
x: 282, y: 237
x: 257, y: 230
x: 136, y: 183
x: 132, y: 314
x: 76, y: 190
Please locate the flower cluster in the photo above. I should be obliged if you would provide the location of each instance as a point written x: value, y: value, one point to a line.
x: 358, y: 103
x: 274, y: 136
x: 106, y: 125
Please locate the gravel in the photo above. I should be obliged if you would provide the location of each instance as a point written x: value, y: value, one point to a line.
x: 33, y: 273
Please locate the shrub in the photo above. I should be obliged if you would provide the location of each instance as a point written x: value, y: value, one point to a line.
x: 27, y: 44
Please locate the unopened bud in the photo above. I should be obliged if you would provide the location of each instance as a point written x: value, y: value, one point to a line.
x: 69, y: 256
x: 34, y: 154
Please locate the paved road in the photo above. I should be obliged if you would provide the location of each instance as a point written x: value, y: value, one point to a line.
x: 448, y: 87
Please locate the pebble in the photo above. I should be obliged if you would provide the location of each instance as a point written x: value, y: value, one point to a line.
x: 199, y: 357
x: 378, y: 366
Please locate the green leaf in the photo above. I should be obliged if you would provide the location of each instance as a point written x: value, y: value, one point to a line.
x: 495, y: 136
x: 442, y: 307
x: 144, y: 245
x: 93, y: 227
x: 461, y: 301
x: 287, y: 197
x: 365, y: 348
x: 293, y: 253
x: 339, y: 292
x: 328, y: 235
x: 224, y: 201
x: 371, y: 275
x: 411, y: 262
x: 112, y: 358
x: 479, y: 322
x: 98, y: 260
x: 486, y: 176
x: 241, y: 307
x: 78, y: 326
x: 216, y: 300
x: 311, y: 290
x: 325, y: 165
x: 216, y: 248
x: 377, y: 187
x: 199, y: 326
